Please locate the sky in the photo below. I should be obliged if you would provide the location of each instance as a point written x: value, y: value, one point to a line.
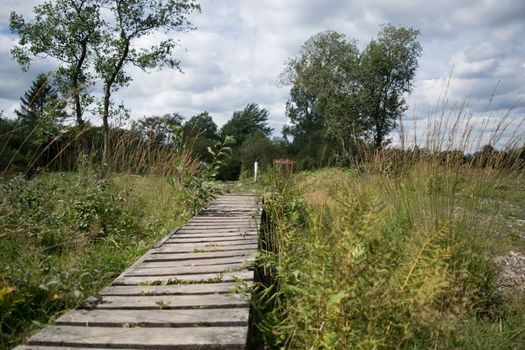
x: 472, y: 49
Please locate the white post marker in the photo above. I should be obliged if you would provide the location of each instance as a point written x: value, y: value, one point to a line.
x: 255, y: 169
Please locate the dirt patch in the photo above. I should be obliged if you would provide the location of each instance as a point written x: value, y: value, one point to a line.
x: 512, y: 272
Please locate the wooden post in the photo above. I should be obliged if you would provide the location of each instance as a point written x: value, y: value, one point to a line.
x: 255, y: 169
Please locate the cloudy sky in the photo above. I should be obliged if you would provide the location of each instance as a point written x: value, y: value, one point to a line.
x: 240, y: 46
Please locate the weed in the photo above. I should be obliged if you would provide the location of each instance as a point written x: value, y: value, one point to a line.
x: 161, y: 304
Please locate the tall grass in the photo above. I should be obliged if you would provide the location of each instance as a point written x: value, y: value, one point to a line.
x: 65, y: 235
x: 398, y: 252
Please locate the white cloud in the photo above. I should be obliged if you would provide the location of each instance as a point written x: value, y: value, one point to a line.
x: 239, y: 48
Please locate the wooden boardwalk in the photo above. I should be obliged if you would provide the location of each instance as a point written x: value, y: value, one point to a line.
x: 189, y: 292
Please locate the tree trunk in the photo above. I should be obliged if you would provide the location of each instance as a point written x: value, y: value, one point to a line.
x: 84, y: 146
x: 378, y: 139
x: 107, y: 96
x: 78, y: 109
x: 105, y: 128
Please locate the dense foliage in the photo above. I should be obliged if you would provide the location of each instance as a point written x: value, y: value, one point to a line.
x: 379, y: 260
x: 65, y: 236
x: 98, y: 38
x: 342, y: 94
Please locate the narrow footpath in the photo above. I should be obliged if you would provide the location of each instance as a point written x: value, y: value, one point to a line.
x: 189, y: 292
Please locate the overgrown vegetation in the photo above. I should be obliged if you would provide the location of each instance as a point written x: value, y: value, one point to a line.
x: 65, y: 236
x: 395, y: 253
x: 396, y: 250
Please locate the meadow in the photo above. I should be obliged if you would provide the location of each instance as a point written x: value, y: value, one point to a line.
x: 404, y: 248
x: 417, y: 246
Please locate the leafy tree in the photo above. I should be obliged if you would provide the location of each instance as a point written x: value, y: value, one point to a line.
x: 29, y: 137
x: 387, y: 70
x: 353, y: 95
x: 324, y: 91
x: 158, y: 129
x: 258, y: 148
x: 201, y: 124
x: 251, y: 120
x: 312, y: 143
x: 131, y: 21
x: 68, y: 31
x: 200, y: 133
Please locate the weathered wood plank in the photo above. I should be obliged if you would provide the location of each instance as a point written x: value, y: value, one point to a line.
x: 231, y: 239
x: 199, y: 219
x: 143, y: 338
x: 215, y: 235
x: 156, y: 318
x: 177, y: 289
x: 205, y: 248
x: 216, y: 230
x: 54, y: 347
x: 185, y: 270
x: 162, y: 302
x: 159, y: 255
x: 182, y: 263
x: 172, y: 279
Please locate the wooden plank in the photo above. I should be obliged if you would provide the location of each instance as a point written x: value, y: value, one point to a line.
x: 224, y: 214
x: 204, y: 278
x: 158, y: 245
x: 156, y: 318
x: 216, y: 230
x: 143, y: 338
x: 185, y: 270
x: 212, y: 227
x: 235, y: 238
x: 182, y: 263
x: 164, y: 302
x: 176, y: 289
x: 215, y: 235
x: 205, y: 248
x: 199, y: 219
x: 54, y: 347
x: 159, y: 255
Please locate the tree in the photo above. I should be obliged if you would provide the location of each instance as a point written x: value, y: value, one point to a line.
x: 203, y: 125
x: 324, y: 89
x: 200, y: 133
x: 251, y: 120
x: 354, y: 95
x: 158, y: 129
x: 68, y: 31
x: 41, y: 97
x: 388, y: 67
x: 312, y: 144
x: 258, y: 148
x: 36, y: 125
x: 131, y: 21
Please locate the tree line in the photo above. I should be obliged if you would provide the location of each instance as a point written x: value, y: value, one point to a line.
x: 344, y: 102
x: 97, y: 40
x: 39, y: 137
